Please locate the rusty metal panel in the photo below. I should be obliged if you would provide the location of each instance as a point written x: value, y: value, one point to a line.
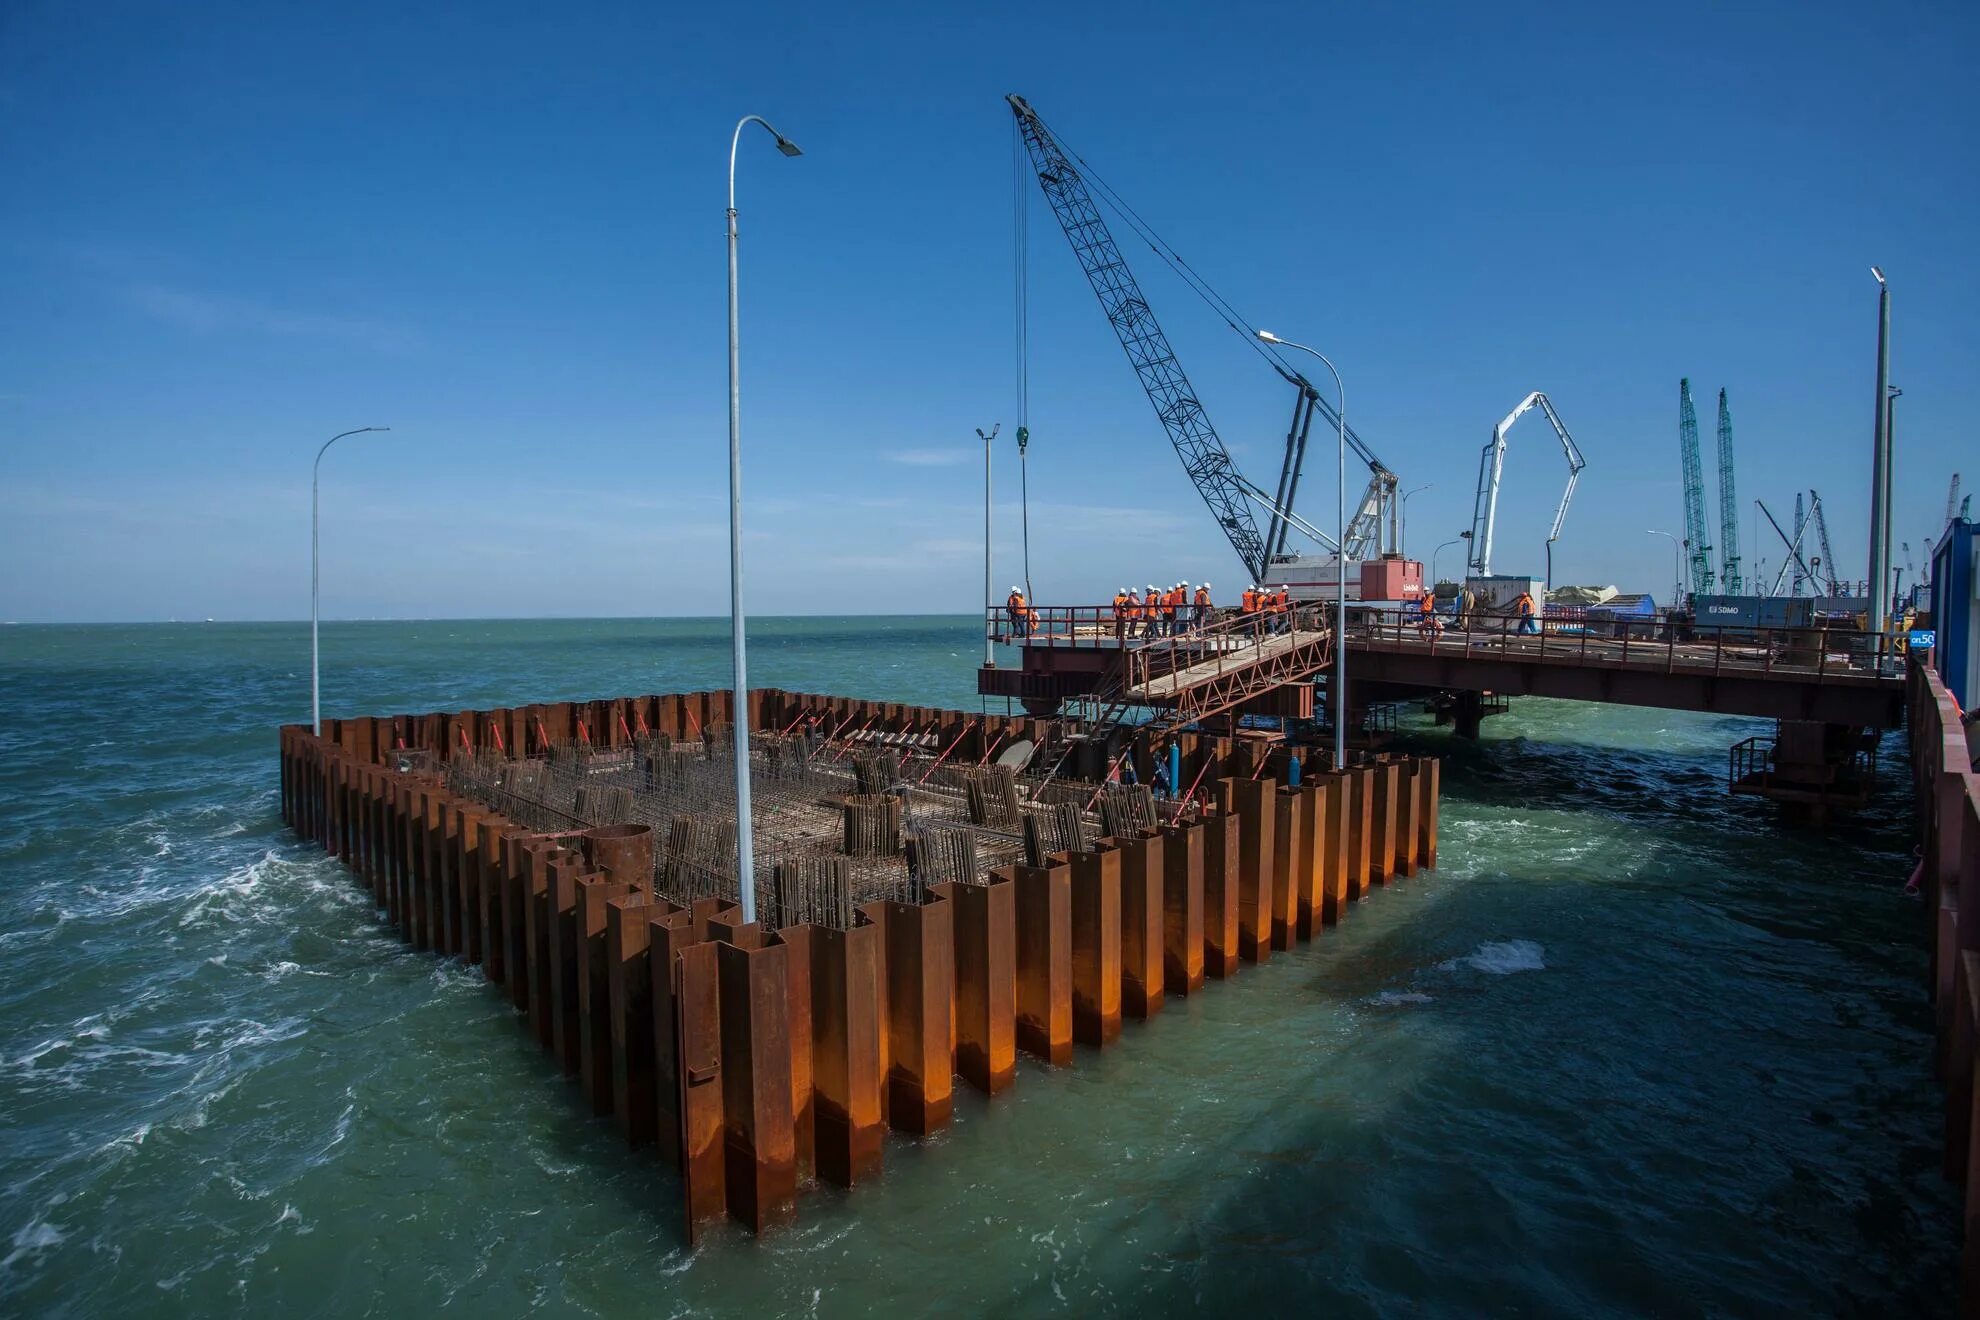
x: 1096, y: 944
x: 1361, y: 828
x: 1257, y: 835
x: 846, y: 1029
x: 986, y: 982
x: 1333, y: 792
x: 491, y: 850
x: 563, y: 935
x: 595, y: 894
x: 1044, y: 960
x: 1313, y: 861
x: 1382, y: 859
x: 696, y: 1000
x: 1142, y: 868
x: 629, y: 996
x: 1223, y: 853
x: 921, y: 988
x: 1288, y: 872
x: 797, y: 942
x: 1409, y: 800
x: 668, y: 934
x: 1182, y: 908
x: 467, y: 871
x: 1429, y: 783
x: 759, y: 1147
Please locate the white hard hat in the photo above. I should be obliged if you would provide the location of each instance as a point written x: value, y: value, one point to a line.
x: 1014, y: 588
x: 1206, y: 586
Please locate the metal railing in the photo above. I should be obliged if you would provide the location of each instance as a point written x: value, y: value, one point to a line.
x: 1675, y: 647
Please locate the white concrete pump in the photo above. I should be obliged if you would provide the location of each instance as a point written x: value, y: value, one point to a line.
x: 1491, y: 464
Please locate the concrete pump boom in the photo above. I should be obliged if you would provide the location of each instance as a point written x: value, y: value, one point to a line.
x: 1491, y: 464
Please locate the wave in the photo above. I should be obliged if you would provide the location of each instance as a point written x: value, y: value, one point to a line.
x: 1501, y: 958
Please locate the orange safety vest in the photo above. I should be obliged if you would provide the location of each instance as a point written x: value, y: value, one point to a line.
x: 1202, y: 596
x: 1120, y: 606
x: 1525, y: 603
x: 1248, y: 603
x: 1423, y: 602
x: 1171, y: 599
x: 1278, y: 602
x: 1017, y: 606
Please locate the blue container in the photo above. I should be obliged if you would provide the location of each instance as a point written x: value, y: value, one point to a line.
x: 1955, y: 616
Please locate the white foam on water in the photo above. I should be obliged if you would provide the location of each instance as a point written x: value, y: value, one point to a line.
x: 33, y: 1238
x: 1501, y: 958
x: 1397, y: 998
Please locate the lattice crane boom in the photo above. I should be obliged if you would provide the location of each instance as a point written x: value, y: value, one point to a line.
x: 1697, y: 540
x: 1203, y: 454
x: 1733, y: 583
x: 1827, y: 567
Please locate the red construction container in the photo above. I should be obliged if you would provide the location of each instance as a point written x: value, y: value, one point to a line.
x: 1391, y: 578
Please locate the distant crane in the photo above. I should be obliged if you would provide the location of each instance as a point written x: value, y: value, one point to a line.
x: 1696, y: 538
x: 1800, y: 526
x: 1491, y: 464
x: 1728, y: 505
x: 1793, y: 545
x: 1827, y: 563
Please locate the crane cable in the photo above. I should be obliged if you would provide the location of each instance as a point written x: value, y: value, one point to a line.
x: 1169, y: 257
x: 1020, y: 253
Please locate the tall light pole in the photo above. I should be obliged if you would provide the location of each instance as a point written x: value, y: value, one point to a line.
x: 989, y: 644
x: 1880, y: 463
x: 1338, y: 697
x: 1434, y: 575
x: 1677, y: 565
x: 739, y: 699
x: 1402, y: 512
x: 315, y: 677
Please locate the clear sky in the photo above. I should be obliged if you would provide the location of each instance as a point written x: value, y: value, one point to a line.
x: 228, y: 230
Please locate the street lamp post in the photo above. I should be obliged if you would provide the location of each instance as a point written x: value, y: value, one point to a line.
x: 1677, y: 565
x: 315, y: 677
x: 1338, y: 697
x: 1435, y: 576
x: 1880, y: 462
x: 1402, y: 512
x: 739, y: 699
x: 989, y: 643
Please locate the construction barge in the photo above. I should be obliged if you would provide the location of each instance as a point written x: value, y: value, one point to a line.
x: 938, y: 891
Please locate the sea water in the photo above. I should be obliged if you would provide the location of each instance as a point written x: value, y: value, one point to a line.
x: 1635, y: 1047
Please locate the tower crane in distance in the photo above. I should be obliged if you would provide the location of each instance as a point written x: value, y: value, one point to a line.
x: 1491, y: 465
x: 1731, y: 581
x: 1696, y: 538
x: 1204, y: 457
x: 1827, y: 564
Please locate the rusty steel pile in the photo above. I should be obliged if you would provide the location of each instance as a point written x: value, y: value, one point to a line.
x: 924, y: 911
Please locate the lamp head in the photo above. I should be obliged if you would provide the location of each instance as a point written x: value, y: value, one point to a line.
x: 1269, y: 337
x: 788, y: 147
x: 1878, y: 272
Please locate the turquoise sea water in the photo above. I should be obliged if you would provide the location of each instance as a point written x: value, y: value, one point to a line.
x: 1635, y: 1047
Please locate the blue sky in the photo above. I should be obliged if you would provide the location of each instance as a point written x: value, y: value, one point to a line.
x: 230, y: 230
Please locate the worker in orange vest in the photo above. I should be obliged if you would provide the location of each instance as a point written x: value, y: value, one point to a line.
x: 1020, y: 612
x: 1122, y: 599
x: 1172, y: 603
x: 1151, y: 610
x: 1524, y: 605
x: 1203, y: 608
x: 1248, y: 602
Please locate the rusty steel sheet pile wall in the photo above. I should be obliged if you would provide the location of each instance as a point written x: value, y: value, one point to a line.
x: 1946, y: 795
x: 753, y: 1057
